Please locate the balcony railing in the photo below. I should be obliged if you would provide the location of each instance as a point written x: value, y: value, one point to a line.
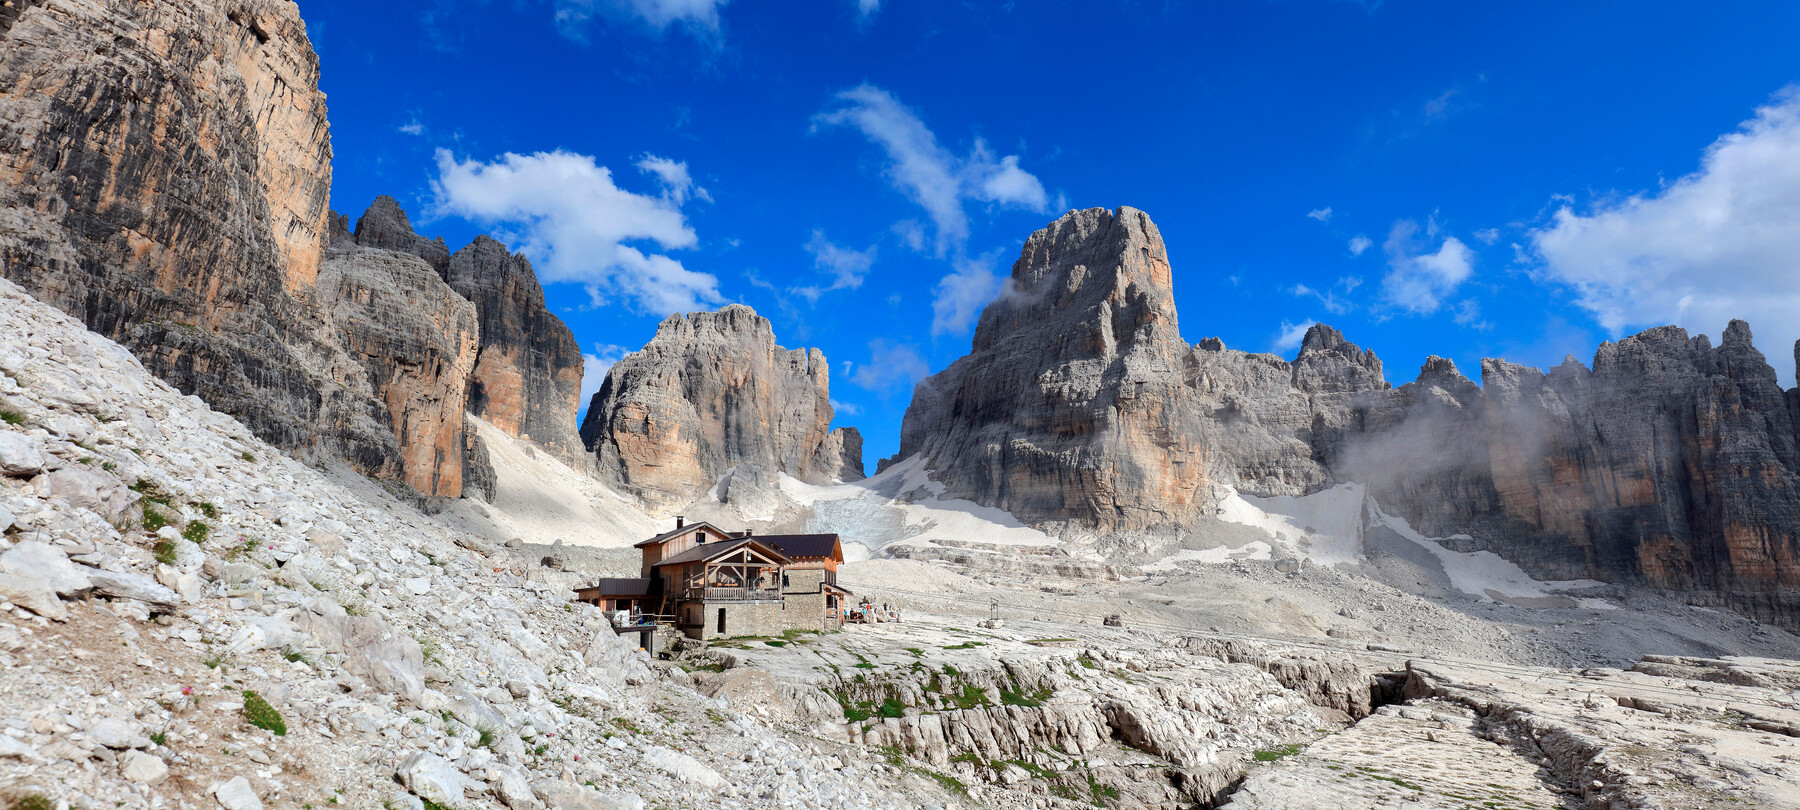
x: 728, y: 594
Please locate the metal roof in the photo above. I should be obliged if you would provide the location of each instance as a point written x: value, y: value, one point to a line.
x: 708, y: 551
x: 805, y: 545
x: 621, y: 587
x: 684, y: 530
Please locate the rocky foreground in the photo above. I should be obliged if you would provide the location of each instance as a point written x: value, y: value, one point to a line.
x: 189, y: 618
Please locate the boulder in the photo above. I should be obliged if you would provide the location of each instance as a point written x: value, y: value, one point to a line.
x: 21, y: 454
x: 236, y: 794
x: 87, y: 489
x: 143, y: 768
x: 432, y: 778
x: 49, y: 564
x: 126, y: 585
x: 683, y: 767
x: 33, y: 594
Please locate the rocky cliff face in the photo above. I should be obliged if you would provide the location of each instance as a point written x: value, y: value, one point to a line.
x: 1081, y: 403
x: 527, y: 380
x: 1673, y: 464
x: 713, y: 390
x: 164, y: 169
x: 164, y: 174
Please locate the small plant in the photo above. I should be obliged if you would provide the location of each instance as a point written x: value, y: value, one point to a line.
x: 262, y: 715
x: 431, y: 650
x: 85, y: 460
x: 245, y: 546
x: 967, y: 645
x: 159, y: 737
x: 296, y: 657
x: 431, y: 805
x: 206, y: 508
x: 150, y: 491
x: 12, y: 418
x: 1273, y: 754
x: 214, y: 661
x: 196, y: 532
x: 154, y: 520
x: 356, y: 609
x: 108, y: 466
x: 248, y: 456
x: 34, y: 801
x: 486, y: 738
x: 892, y: 707
x: 776, y: 643
x: 165, y: 552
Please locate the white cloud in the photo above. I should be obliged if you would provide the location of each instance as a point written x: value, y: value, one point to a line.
x: 959, y: 297
x: 929, y: 174
x: 1468, y: 313
x: 1720, y: 243
x: 1350, y: 283
x: 1488, y: 236
x: 891, y: 366
x: 565, y: 213
x: 413, y: 127
x: 846, y: 266
x: 594, y: 368
x: 846, y: 408
x: 1320, y: 214
x: 1331, y: 302
x: 676, y: 182
x: 1360, y: 243
x: 867, y: 8
x: 1290, y: 335
x: 700, y: 16
x: 1419, y: 281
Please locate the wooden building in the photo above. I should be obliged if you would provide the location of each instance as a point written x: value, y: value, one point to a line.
x: 713, y: 583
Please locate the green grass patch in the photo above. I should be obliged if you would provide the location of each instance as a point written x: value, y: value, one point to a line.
x: 262, y: 715
x: 248, y: 456
x: 967, y: 645
x: 150, y: 491
x: 1273, y: 754
x: 164, y: 552
x: 775, y: 642
x: 971, y: 697
x: 33, y: 801
x: 196, y: 532
x: 154, y: 520
x: 206, y: 508
x: 892, y: 707
x: 12, y: 418
x: 1032, y: 699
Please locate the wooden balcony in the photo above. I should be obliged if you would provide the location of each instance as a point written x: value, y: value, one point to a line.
x: 718, y: 593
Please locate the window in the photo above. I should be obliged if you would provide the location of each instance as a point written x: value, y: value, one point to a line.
x: 784, y: 580
x: 721, y: 621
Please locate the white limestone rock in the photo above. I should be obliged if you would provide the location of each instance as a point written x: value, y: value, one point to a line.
x: 432, y: 778
x: 21, y: 454
x: 46, y: 563
x: 143, y: 768
x: 237, y: 794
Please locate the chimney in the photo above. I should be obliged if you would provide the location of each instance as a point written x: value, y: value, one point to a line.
x: 749, y: 532
x: 680, y: 521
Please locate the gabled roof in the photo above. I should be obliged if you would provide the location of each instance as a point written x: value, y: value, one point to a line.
x: 806, y: 546
x: 621, y: 587
x: 684, y: 530
x: 709, y: 551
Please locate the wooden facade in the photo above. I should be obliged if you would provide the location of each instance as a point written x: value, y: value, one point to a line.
x: 712, y: 583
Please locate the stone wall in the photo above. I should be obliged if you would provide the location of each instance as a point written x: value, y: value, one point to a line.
x: 741, y: 619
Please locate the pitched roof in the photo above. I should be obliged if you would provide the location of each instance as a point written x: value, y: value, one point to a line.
x: 708, y: 551
x: 621, y: 587
x: 683, y: 530
x: 800, y: 546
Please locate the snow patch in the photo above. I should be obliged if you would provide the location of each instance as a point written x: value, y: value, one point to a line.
x: 1326, y: 526
x: 1483, y: 573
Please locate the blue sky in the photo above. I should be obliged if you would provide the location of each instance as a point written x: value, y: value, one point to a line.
x: 1521, y: 180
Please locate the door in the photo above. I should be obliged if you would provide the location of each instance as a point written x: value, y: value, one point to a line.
x: 721, y: 621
